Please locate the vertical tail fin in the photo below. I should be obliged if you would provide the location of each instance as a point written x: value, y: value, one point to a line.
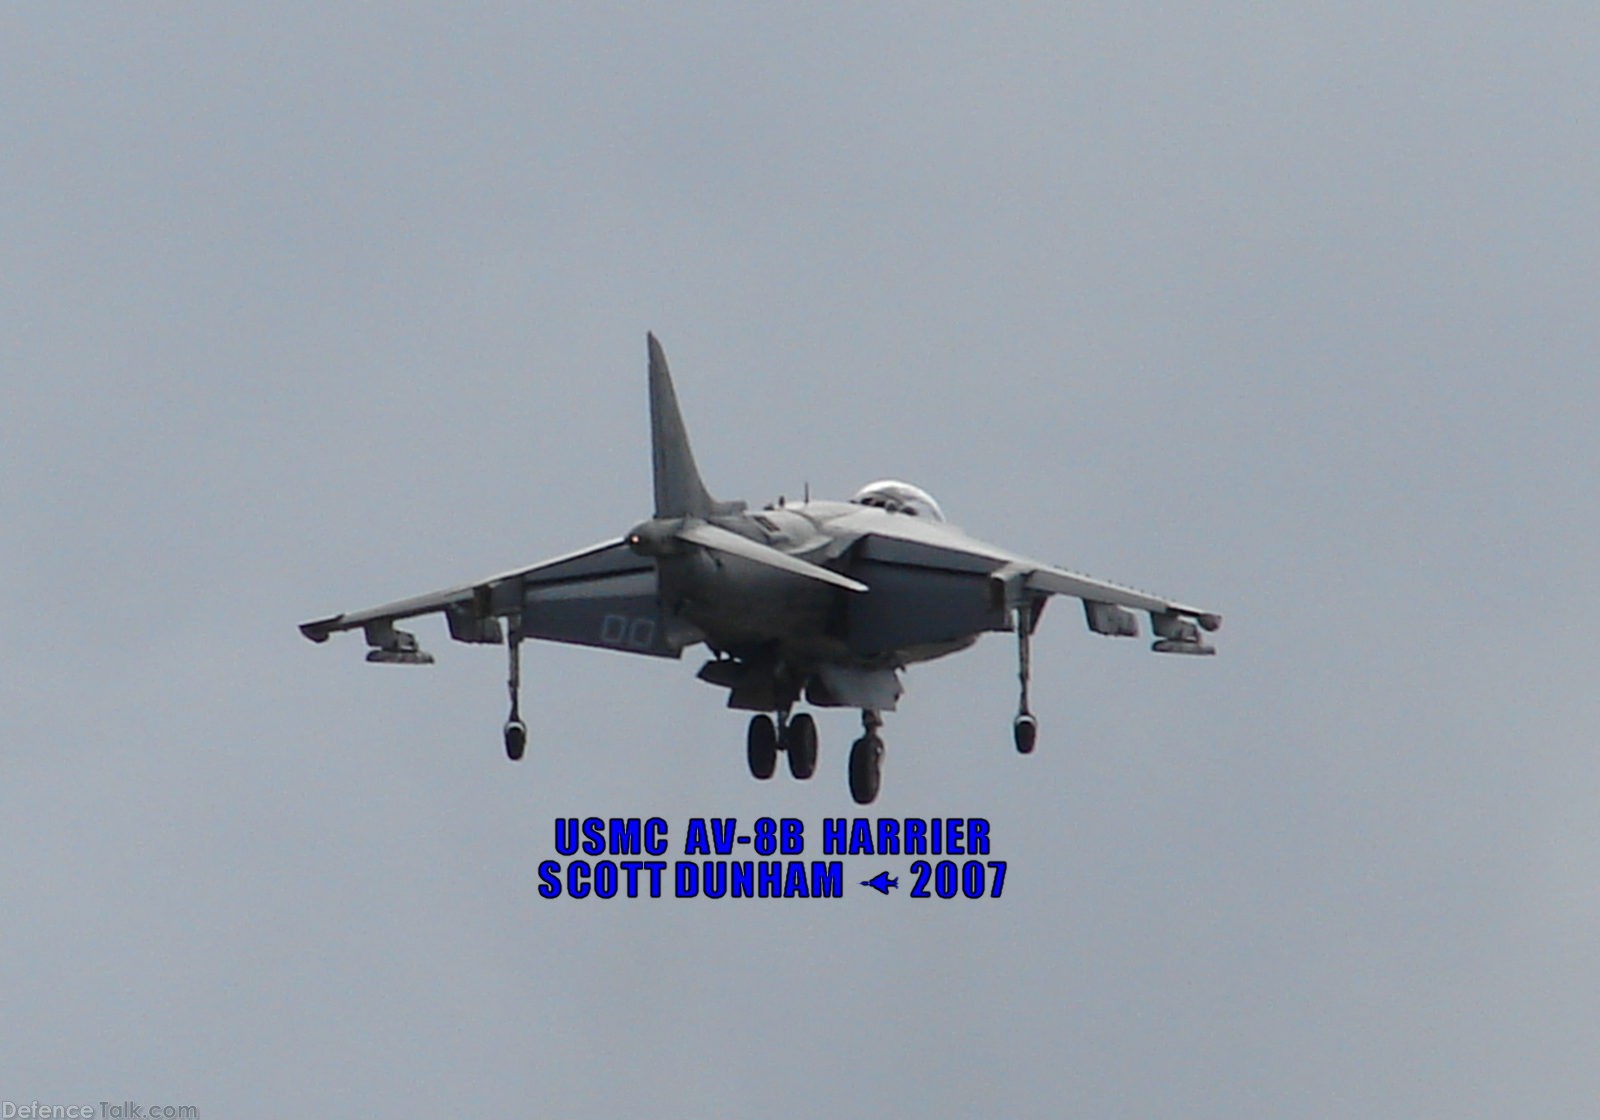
x: 679, y: 491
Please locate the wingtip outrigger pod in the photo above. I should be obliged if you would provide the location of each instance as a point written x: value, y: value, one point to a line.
x: 1176, y: 634
x: 392, y: 646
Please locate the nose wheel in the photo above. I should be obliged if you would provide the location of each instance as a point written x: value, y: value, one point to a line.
x: 866, y: 769
x: 866, y: 761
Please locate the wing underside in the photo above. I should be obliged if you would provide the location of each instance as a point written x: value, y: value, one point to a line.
x: 932, y: 586
x: 603, y: 596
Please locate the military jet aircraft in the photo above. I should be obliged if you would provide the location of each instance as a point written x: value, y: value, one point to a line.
x: 822, y: 600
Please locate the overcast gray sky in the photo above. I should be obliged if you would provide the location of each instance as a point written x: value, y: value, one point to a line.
x: 1287, y: 312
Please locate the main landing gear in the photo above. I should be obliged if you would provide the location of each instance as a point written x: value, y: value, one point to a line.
x: 761, y: 747
x: 796, y: 737
x: 800, y: 744
x: 516, y: 732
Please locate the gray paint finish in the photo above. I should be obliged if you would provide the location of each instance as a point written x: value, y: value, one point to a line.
x: 1290, y: 310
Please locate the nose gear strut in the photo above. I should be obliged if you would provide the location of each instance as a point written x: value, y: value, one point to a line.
x: 866, y: 760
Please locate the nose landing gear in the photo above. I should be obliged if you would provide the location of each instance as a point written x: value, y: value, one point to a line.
x: 866, y: 760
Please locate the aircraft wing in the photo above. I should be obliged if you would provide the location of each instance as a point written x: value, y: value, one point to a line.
x: 603, y: 596
x: 1059, y: 581
x: 941, y: 568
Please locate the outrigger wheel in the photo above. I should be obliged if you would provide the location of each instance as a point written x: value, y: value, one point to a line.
x: 1025, y: 731
x: 516, y: 730
x: 516, y: 739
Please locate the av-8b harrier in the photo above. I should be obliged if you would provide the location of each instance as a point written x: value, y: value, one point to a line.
x: 821, y: 600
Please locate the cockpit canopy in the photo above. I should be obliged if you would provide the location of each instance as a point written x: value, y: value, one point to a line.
x: 899, y: 497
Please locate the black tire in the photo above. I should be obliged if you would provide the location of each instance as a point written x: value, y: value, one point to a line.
x: 1025, y: 732
x: 516, y: 741
x: 866, y: 769
x: 800, y: 744
x: 761, y: 747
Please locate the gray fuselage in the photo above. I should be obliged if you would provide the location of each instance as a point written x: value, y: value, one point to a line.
x: 748, y: 609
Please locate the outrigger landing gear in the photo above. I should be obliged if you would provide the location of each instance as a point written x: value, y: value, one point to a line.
x: 516, y: 732
x: 866, y: 760
x: 1024, y: 729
